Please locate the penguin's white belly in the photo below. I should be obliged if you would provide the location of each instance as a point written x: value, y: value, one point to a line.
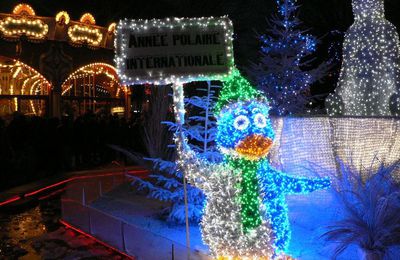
x: 222, y: 226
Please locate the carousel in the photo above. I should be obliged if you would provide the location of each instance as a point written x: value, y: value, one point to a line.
x: 50, y: 66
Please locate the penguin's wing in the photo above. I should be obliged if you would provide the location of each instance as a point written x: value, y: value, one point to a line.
x: 289, y: 184
x: 296, y: 185
x: 197, y: 170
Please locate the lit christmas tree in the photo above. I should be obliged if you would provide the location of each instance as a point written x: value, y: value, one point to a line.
x: 369, y: 78
x: 284, y: 72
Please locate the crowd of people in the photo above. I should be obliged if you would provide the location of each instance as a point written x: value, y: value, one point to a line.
x: 32, y: 148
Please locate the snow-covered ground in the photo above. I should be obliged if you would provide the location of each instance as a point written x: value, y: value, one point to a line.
x: 142, y: 213
x: 309, y: 214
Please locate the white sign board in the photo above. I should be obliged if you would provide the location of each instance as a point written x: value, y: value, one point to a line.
x: 173, y: 49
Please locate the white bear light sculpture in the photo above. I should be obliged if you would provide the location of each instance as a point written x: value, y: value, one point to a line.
x: 369, y: 81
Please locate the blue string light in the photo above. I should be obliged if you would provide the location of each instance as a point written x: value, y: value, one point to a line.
x: 236, y: 122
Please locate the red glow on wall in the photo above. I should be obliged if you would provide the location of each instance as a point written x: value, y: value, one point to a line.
x: 47, y: 188
x: 79, y: 178
x: 10, y: 200
x: 52, y: 194
x: 67, y: 225
x: 138, y: 173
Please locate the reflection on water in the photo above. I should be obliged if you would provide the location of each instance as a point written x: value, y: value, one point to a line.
x: 35, y: 233
x: 19, y: 229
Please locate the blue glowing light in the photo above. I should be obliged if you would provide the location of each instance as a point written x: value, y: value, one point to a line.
x: 276, y: 185
x: 242, y: 119
x: 236, y: 122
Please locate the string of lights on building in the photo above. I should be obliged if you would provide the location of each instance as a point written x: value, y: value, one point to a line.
x: 24, y: 22
x: 88, y: 72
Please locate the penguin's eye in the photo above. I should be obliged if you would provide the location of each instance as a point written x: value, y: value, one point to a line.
x: 241, y: 122
x: 260, y: 120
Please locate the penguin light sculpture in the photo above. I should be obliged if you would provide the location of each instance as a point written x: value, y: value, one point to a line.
x: 246, y: 215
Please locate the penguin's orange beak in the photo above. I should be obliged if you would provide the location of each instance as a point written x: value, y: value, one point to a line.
x: 254, y: 147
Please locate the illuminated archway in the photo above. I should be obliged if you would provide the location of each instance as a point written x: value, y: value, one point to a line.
x: 22, y: 88
x: 94, y: 87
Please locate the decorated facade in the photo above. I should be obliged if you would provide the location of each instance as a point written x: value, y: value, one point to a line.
x: 24, y: 22
x: 48, y: 67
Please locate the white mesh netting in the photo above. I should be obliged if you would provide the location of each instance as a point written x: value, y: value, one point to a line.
x: 316, y: 141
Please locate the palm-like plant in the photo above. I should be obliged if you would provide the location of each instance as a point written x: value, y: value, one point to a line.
x: 370, y: 216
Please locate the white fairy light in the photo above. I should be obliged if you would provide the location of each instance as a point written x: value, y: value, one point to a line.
x: 260, y: 121
x: 241, y: 122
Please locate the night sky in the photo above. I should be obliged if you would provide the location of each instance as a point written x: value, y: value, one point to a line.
x: 248, y: 16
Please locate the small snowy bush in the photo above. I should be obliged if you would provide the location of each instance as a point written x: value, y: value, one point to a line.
x: 370, y: 207
x: 166, y: 184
